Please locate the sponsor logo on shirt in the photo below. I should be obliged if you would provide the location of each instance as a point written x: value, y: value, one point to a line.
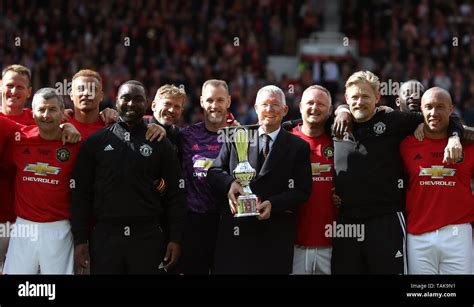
x: 44, y: 152
x: 41, y: 169
x: 437, y: 172
x: 317, y: 169
x: 213, y: 147
x: 201, y: 165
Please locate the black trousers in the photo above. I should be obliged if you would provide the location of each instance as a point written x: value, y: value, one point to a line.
x: 199, y: 243
x: 380, y: 250
x: 127, y: 249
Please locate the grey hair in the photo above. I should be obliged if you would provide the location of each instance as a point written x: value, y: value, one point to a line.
x: 272, y: 89
x: 47, y: 93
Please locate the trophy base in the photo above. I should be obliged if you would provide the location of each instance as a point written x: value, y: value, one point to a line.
x: 246, y: 214
x: 247, y: 206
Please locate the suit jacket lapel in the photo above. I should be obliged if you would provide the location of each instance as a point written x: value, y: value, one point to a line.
x: 277, y: 152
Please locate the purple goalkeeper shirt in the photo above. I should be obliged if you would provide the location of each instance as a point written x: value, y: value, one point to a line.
x: 199, y: 148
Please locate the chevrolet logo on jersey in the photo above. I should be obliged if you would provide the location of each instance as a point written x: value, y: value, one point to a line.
x: 42, y: 169
x: 437, y: 172
x: 317, y: 168
x: 203, y: 163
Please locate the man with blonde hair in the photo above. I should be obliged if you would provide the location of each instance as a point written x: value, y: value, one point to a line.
x: 167, y: 107
x: 86, y: 95
x: 15, y: 90
x: 370, y: 231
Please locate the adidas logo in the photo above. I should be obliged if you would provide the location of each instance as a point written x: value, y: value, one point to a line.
x: 26, y: 151
x: 398, y: 254
x: 108, y: 148
x: 417, y: 157
x: 195, y: 147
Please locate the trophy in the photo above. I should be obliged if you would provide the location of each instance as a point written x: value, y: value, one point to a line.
x: 244, y: 173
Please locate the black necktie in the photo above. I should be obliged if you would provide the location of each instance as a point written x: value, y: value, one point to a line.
x: 266, y: 145
x: 263, y: 154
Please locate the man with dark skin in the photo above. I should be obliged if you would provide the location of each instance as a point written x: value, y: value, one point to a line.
x: 117, y: 177
x: 409, y: 100
x: 409, y: 96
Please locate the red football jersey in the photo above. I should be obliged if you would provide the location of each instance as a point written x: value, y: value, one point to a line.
x: 25, y: 118
x: 437, y: 194
x: 318, y: 211
x: 44, y: 170
x: 87, y: 129
x: 7, y: 174
x: 7, y: 129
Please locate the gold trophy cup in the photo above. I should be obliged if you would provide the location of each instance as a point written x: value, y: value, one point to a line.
x: 243, y: 174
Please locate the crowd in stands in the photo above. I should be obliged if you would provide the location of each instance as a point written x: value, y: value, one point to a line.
x: 187, y: 42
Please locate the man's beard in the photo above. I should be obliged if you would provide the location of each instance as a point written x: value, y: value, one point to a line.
x: 359, y: 114
x: 215, y: 119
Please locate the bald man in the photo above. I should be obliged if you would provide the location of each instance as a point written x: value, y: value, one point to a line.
x: 409, y: 100
x: 439, y: 200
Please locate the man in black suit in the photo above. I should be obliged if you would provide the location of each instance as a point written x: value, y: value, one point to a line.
x: 262, y: 245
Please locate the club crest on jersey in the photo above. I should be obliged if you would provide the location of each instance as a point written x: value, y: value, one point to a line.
x: 328, y: 152
x: 146, y: 150
x: 379, y: 128
x: 62, y: 154
x: 437, y: 172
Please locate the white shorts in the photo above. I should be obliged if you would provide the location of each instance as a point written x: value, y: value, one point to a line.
x: 312, y: 260
x: 473, y: 252
x: 447, y: 250
x: 4, y: 238
x: 46, y: 248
